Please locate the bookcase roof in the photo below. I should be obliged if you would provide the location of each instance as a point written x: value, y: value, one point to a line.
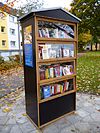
x: 58, y: 13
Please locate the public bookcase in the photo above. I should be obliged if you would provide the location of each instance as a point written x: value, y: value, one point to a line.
x: 50, y: 40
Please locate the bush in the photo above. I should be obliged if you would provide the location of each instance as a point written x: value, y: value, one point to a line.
x: 8, y: 65
x: 1, y: 60
x: 15, y: 58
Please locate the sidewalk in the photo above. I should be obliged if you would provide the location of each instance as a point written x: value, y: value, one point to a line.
x: 85, y: 120
x: 11, y: 80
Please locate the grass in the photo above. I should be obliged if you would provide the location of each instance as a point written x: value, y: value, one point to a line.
x: 88, y: 73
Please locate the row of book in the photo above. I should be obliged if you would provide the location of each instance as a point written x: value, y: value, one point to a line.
x: 54, y: 89
x: 51, y: 71
x: 46, y: 52
x: 53, y: 33
x: 55, y: 30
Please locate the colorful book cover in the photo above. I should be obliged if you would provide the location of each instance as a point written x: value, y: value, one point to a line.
x: 45, y: 53
x: 42, y: 74
x: 46, y: 91
x: 57, y: 70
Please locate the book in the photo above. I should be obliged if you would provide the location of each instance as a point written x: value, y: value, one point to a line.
x: 42, y: 74
x: 65, y: 52
x: 55, y: 33
x: 47, y: 73
x: 40, y: 33
x: 46, y: 32
x: 58, y: 53
x: 71, y: 53
x: 57, y: 70
x: 70, y: 87
x: 66, y: 85
x: 45, y: 52
x: 51, y: 72
x: 46, y: 91
x: 58, y: 88
x: 52, y: 90
x: 52, y: 52
x: 67, y: 70
x: 41, y: 93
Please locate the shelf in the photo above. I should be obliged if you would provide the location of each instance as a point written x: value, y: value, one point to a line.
x: 56, y: 96
x: 56, y: 79
x: 56, y: 60
x: 55, y: 39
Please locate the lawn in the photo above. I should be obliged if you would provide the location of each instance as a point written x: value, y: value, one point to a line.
x: 88, y: 73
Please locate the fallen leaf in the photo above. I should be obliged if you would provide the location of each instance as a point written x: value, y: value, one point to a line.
x: 24, y: 114
x: 6, y: 110
x: 9, y: 104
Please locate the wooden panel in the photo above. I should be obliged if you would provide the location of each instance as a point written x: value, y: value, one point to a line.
x: 56, y: 60
x: 57, y: 79
x: 55, y: 39
x: 56, y: 96
x: 53, y: 109
x: 30, y: 78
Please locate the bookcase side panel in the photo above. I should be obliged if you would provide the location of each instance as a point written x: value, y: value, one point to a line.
x: 30, y: 78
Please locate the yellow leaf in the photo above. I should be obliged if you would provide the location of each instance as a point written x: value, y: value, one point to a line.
x: 24, y: 114
x: 6, y: 110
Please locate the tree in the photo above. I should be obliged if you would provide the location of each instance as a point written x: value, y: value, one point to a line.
x: 88, y: 11
x: 30, y: 5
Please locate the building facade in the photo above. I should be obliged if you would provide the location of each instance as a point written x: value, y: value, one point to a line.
x: 10, y: 41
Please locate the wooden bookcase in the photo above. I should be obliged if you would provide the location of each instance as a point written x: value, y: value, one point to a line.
x: 49, y: 52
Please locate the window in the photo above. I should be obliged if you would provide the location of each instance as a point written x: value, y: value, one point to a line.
x: 3, y: 42
x: 12, y: 31
x: 12, y: 43
x: 11, y: 18
x: 2, y: 29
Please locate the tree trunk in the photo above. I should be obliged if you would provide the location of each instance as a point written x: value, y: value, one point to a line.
x: 96, y: 46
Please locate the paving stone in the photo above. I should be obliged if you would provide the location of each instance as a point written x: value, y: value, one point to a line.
x: 95, y: 127
x: 70, y: 129
x: 11, y: 120
x: 15, y: 129
x: 62, y: 123
x: 1, y: 128
x: 3, y: 120
x: 6, y: 129
x: 73, y: 118
x: 51, y: 128
x: 27, y: 127
x: 96, y: 116
x: 89, y: 109
x: 82, y: 127
x: 82, y: 113
x: 87, y: 119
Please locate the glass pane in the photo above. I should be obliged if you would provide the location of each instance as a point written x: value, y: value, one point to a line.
x: 49, y: 51
x: 57, y: 88
x: 55, y: 30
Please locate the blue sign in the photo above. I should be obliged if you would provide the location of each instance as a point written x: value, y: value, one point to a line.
x: 28, y: 51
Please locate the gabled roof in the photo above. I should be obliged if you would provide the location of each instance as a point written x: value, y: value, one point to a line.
x: 58, y: 12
